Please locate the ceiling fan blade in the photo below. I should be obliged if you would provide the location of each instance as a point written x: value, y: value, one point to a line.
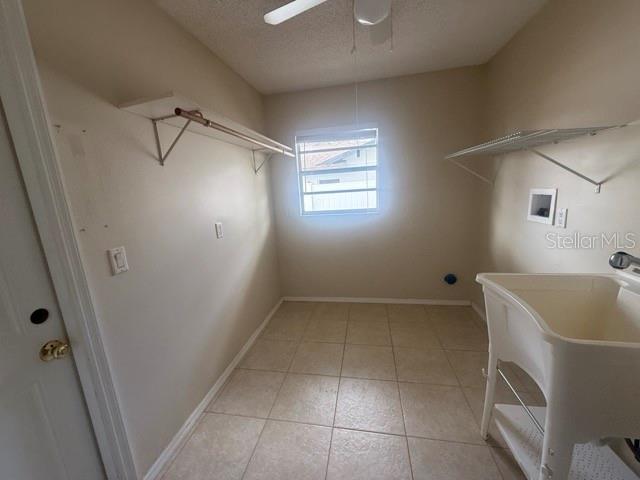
x: 290, y: 10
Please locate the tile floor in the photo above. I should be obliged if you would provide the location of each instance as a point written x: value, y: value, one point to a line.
x: 355, y: 391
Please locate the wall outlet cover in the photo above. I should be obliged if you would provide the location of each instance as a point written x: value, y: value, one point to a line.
x: 561, y: 218
x: 219, y: 231
x: 118, y: 260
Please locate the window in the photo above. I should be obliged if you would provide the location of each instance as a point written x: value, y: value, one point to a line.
x: 338, y: 171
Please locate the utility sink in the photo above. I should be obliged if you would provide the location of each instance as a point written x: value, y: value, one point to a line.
x: 581, y: 308
x: 578, y: 337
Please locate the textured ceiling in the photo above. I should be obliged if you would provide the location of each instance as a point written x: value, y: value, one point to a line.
x: 314, y: 49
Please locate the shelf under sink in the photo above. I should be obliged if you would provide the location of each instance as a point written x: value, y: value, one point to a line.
x: 590, y: 462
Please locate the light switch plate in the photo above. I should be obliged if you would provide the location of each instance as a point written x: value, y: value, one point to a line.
x: 118, y: 260
x: 219, y: 232
x: 561, y: 218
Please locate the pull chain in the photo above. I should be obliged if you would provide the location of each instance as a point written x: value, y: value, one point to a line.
x: 354, y: 52
x: 391, y: 27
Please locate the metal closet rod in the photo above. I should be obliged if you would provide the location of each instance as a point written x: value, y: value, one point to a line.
x: 197, y: 117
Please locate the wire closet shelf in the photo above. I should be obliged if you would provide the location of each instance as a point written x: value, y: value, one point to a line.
x: 530, y: 140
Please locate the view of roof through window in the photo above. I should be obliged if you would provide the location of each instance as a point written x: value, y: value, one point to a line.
x: 338, y: 171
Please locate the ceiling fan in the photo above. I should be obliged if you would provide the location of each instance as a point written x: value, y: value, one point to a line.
x: 367, y: 12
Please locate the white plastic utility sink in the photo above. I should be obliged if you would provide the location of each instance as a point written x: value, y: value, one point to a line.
x: 578, y: 337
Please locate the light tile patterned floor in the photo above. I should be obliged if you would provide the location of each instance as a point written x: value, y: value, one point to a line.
x: 336, y: 391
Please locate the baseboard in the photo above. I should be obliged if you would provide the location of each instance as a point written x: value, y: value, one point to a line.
x: 179, y: 439
x: 479, y: 310
x: 414, y: 301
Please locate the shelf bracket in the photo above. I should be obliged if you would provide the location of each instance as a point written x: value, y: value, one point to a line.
x: 163, y: 157
x: 472, y: 172
x: 256, y: 167
x: 268, y: 156
x: 597, y: 185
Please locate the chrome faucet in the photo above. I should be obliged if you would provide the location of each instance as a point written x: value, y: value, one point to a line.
x: 623, y: 260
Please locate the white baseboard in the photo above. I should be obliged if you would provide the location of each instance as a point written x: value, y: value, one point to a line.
x: 160, y: 466
x: 413, y: 301
x: 479, y: 310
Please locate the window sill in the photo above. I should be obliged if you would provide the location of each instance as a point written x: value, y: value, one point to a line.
x: 340, y: 213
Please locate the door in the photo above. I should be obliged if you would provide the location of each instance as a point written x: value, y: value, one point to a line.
x: 45, y: 431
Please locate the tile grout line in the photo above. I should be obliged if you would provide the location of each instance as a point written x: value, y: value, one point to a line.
x: 433, y: 327
x: 199, y: 422
x: 502, y: 476
x: 475, y: 326
x: 222, y: 389
x: 344, y: 344
x: 201, y: 418
x: 335, y: 410
x: 352, y: 429
x: 184, y: 444
x: 326, y: 468
x: 303, y: 340
x: 464, y: 395
x: 266, y: 420
x: 404, y: 423
x: 412, y: 382
x: 255, y: 447
x: 320, y: 320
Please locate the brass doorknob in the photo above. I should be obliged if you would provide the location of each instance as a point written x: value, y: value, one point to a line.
x: 54, y: 350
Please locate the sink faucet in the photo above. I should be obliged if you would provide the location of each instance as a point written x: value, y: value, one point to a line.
x: 623, y: 260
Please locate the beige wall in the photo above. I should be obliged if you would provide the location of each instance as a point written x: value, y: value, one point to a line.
x: 575, y: 64
x: 428, y: 221
x: 177, y: 318
x: 189, y: 302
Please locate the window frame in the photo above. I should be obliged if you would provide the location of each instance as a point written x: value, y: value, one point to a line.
x: 301, y: 173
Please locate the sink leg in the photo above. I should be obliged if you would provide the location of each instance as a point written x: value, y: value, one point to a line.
x: 557, y: 450
x: 492, y: 376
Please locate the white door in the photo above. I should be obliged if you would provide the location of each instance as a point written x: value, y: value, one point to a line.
x: 45, y: 432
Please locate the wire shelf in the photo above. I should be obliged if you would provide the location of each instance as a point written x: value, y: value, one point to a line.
x: 530, y: 140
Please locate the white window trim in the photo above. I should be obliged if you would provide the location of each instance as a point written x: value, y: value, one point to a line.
x: 376, y: 167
